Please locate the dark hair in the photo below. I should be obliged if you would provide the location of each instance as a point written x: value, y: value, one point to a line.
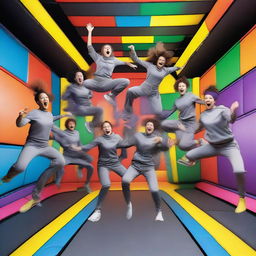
x: 71, y: 76
x: 211, y: 88
x: 101, y: 50
x: 104, y: 122
x: 182, y: 79
x: 38, y: 87
x: 69, y: 120
x: 159, y: 50
x: 155, y: 122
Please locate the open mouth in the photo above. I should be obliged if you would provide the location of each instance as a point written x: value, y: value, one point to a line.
x: 208, y: 104
x: 108, y: 52
x: 181, y: 91
x: 45, y: 104
x: 108, y: 132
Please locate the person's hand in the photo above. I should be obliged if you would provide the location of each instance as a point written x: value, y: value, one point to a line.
x: 23, y: 112
x: 234, y: 106
x: 131, y: 47
x: 76, y: 148
x: 68, y: 114
x: 158, y: 139
x: 89, y: 27
x: 133, y: 66
x: 181, y: 127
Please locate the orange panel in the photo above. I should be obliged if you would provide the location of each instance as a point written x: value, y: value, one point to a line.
x: 14, y: 97
x: 99, y: 21
x: 208, y: 78
x: 105, y: 39
x: 38, y: 70
x: 209, y: 169
x: 217, y: 12
x: 248, y: 52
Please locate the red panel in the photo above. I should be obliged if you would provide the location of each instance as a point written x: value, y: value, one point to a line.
x: 97, y: 21
x: 104, y: 39
x: 14, y: 97
x: 39, y: 71
x: 217, y: 12
x: 209, y: 169
x: 119, y: 54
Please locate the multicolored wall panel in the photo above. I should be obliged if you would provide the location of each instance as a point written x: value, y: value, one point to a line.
x: 18, y: 69
x: 235, y: 75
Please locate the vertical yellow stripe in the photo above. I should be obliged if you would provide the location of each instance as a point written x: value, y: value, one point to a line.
x: 196, y: 86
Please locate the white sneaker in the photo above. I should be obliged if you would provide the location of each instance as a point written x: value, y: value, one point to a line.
x: 159, y: 216
x: 88, y: 127
x: 95, y: 216
x: 110, y: 99
x: 79, y: 172
x: 129, y: 211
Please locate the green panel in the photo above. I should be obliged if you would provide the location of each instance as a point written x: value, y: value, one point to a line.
x: 187, y: 174
x: 138, y: 47
x: 85, y: 136
x: 162, y: 8
x: 168, y: 100
x: 228, y: 67
x: 168, y: 39
x: 190, y: 84
x: 168, y: 166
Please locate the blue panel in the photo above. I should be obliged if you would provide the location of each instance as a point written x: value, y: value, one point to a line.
x: 8, y: 156
x: 55, y: 244
x: 210, y: 246
x: 133, y: 21
x: 56, y: 93
x: 13, y: 55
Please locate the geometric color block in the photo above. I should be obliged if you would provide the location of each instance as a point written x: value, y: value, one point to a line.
x: 166, y: 86
x: 209, y: 169
x: 99, y: 21
x: 13, y: 90
x: 13, y: 55
x: 39, y: 71
x: 228, y: 67
x: 249, y: 93
x: 233, y: 93
x: 56, y: 93
x: 208, y: 78
x: 248, y: 51
x: 132, y: 21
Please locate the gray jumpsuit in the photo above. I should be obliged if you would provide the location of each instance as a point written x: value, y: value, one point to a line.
x: 102, y: 81
x: 143, y: 163
x: 37, y: 145
x: 220, y: 137
x: 149, y: 87
x: 79, y: 103
x: 67, y: 138
x: 187, y: 116
x: 107, y: 160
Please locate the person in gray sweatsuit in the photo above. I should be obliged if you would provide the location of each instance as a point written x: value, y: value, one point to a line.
x: 156, y: 68
x: 79, y: 101
x: 69, y: 137
x: 215, y: 120
x: 107, y: 160
x: 105, y: 64
x: 185, y: 127
x: 41, y: 122
x: 147, y: 145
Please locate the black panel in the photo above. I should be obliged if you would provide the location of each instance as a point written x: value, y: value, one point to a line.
x: 140, y: 31
x: 238, y: 20
x: 126, y: 9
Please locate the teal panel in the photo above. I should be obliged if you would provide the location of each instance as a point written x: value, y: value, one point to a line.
x: 185, y: 173
x: 228, y: 68
x: 13, y: 55
x: 56, y: 93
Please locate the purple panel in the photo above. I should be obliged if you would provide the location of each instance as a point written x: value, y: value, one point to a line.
x: 245, y: 133
x: 231, y: 94
x: 249, y: 82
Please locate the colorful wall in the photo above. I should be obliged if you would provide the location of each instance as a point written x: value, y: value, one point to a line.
x: 235, y: 75
x: 18, y: 69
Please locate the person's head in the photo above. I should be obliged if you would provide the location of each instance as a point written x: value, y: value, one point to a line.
x: 210, y: 96
x: 151, y: 125
x: 42, y: 98
x: 79, y: 77
x: 106, y: 127
x: 181, y: 85
x: 159, y: 56
x: 107, y: 50
x: 70, y: 124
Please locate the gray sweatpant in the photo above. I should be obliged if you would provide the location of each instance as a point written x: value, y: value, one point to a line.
x: 27, y: 154
x: 185, y: 139
x: 150, y: 175
x: 103, y: 172
x: 96, y: 112
x: 103, y: 84
x: 229, y: 150
x: 139, y: 91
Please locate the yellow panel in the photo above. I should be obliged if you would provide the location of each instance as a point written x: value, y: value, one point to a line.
x: 128, y: 59
x: 166, y: 85
x: 176, y: 20
x: 198, y: 38
x: 63, y: 103
x: 41, y: 237
x: 137, y: 39
x: 42, y: 16
x: 196, y: 86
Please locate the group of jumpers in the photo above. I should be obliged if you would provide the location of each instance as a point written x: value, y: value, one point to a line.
x: 219, y: 139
